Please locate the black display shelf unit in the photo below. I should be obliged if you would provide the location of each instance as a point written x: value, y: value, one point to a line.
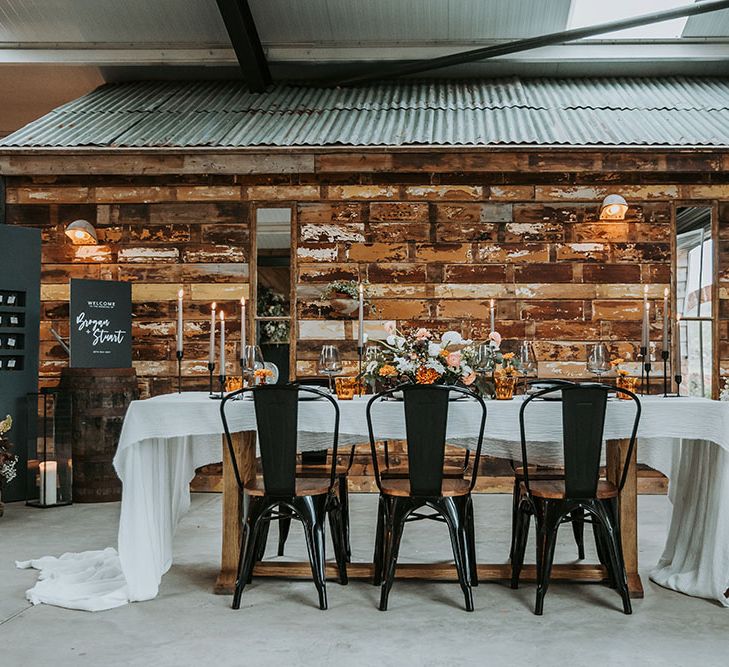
x: 20, y: 258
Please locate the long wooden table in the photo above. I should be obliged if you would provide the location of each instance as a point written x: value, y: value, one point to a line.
x: 245, y: 448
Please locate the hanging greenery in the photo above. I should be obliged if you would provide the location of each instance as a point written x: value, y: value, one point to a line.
x: 272, y: 304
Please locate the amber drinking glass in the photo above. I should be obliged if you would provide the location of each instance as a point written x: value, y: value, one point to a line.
x: 346, y: 387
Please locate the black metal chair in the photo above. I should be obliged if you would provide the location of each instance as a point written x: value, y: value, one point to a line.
x: 426, y: 420
x: 578, y: 526
x: 314, y: 464
x: 307, y: 499
x: 552, y: 502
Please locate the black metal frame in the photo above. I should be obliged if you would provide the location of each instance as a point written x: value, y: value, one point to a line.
x: 529, y: 43
x: 277, y: 431
x: 583, y: 439
x: 246, y: 43
x: 426, y: 420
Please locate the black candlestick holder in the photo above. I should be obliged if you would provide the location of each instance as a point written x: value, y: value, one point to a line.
x: 222, y: 379
x: 664, y: 356
x: 647, y: 366
x: 211, y: 368
x: 360, y: 355
x: 677, y: 378
x: 643, y: 356
x: 179, y: 371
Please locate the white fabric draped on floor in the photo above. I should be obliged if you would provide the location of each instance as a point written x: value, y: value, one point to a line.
x: 166, y: 438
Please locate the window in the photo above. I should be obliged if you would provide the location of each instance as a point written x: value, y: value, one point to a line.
x: 694, y: 299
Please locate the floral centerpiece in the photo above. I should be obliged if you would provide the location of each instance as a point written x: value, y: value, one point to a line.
x: 8, y: 460
x: 506, y: 373
x: 420, y: 358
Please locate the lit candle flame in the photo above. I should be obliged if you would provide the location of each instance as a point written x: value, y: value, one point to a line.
x: 222, y: 316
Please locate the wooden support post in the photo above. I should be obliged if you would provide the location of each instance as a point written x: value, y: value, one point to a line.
x: 627, y: 508
x: 233, y: 510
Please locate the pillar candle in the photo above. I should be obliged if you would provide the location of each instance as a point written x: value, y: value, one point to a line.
x: 211, y: 352
x: 493, y: 315
x: 665, y: 319
x: 179, y: 320
x: 48, y: 476
x: 360, y: 340
x: 242, y: 326
x: 222, y: 343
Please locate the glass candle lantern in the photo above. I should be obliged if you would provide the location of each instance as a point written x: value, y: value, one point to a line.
x: 50, y: 460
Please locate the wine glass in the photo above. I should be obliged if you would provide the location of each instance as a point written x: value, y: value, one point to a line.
x: 598, y: 360
x: 528, y: 361
x: 252, y: 359
x: 329, y: 362
x: 483, y: 359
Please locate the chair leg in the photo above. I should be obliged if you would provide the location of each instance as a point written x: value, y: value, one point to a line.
x: 246, y: 560
x: 399, y: 510
x: 609, y: 515
x: 454, y: 511
x: 471, y: 524
x: 522, y: 520
x: 344, y: 504
x: 578, y: 529
x: 313, y: 512
x: 547, y: 527
x: 337, y: 530
x: 514, y: 515
x: 377, y: 558
x: 284, y: 525
x: 602, y: 550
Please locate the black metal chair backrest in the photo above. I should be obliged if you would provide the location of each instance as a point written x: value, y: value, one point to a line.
x: 583, y: 427
x: 277, y: 414
x: 426, y: 423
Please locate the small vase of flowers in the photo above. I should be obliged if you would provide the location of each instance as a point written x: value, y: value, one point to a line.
x: 8, y: 460
x: 625, y: 379
x: 505, y: 377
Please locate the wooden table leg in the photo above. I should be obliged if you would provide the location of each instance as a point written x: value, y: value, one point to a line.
x: 627, y: 509
x: 245, y: 448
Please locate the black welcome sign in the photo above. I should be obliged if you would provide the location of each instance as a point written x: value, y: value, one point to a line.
x: 101, y: 324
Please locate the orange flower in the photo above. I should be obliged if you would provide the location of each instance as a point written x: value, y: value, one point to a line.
x: 426, y: 375
x: 508, y: 356
x: 263, y: 373
x: 623, y: 373
x: 388, y: 371
x: 616, y: 362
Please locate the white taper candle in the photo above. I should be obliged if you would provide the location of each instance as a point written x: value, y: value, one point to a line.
x: 360, y: 333
x: 211, y: 352
x: 179, y: 320
x: 222, y: 343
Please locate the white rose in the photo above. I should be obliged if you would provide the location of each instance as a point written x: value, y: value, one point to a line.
x: 451, y: 338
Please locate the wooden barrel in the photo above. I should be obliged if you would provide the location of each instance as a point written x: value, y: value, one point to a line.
x: 99, y: 398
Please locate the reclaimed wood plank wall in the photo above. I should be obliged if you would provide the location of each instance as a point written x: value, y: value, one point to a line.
x: 161, y: 239
x: 437, y: 234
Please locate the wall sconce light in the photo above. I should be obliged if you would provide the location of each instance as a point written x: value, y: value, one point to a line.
x: 82, y: 232
x: 613, y: 207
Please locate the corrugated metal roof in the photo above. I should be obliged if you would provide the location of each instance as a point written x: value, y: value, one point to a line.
x: 670, y: 111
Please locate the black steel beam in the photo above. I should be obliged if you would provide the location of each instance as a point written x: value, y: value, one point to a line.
x: 417, y: 67
x: 247, y: 45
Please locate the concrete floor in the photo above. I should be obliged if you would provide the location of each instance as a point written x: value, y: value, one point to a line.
x: 279, y: 622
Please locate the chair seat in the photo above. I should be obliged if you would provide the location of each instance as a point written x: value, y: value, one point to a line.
x: 539, y: 473
x: 554, y: 489
x: 305, y: 486
x: 450, y: 487
x: 320, y: 470
x: 401, y: 472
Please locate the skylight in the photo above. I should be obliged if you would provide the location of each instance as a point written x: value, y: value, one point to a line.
x: 591, y: 12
